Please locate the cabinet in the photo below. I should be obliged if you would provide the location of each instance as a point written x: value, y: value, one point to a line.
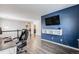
x: 54, y: 35
x: 58, y: 39
x: 9, y: 51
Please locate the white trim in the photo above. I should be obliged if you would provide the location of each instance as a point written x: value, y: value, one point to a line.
x: 61, y: 44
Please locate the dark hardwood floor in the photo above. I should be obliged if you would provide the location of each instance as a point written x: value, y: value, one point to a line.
x: 53, y: 48
x: 38, y: 46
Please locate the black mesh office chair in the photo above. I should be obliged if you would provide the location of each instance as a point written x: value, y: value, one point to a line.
x: 0, y: 30
x: 22, y: 41
x: 20, y: 48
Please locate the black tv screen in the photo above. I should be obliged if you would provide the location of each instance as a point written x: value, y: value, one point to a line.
x: 55, y: 20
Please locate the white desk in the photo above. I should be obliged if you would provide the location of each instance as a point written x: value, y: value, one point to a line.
x: 9, y: 51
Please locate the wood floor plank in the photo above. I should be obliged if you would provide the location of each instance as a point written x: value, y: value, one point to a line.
x: 38, y: 46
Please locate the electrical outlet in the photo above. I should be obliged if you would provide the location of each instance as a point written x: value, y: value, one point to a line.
x: 52, y: 38
x: 61, y: 40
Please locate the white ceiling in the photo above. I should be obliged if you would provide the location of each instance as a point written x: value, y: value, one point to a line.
x: 29, y: 11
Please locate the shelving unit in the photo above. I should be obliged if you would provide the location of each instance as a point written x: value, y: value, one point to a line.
x: 53, y: 31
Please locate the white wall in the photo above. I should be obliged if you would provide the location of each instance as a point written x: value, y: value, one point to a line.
x: 7, y: 24
x: 11, y: 25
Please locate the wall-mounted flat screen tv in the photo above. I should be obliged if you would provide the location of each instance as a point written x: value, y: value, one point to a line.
x: 54, y: 20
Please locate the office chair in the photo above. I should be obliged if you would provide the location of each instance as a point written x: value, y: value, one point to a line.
x: 0, y: 30
x: 20, y: 48
x: 22, y: 42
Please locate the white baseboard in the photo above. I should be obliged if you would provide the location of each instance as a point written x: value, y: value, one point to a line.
x: 61, y: 45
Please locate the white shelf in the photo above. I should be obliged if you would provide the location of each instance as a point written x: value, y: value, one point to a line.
x: 52, y: 31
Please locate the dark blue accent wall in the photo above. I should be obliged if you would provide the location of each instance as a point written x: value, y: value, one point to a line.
x: 69, y: 23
